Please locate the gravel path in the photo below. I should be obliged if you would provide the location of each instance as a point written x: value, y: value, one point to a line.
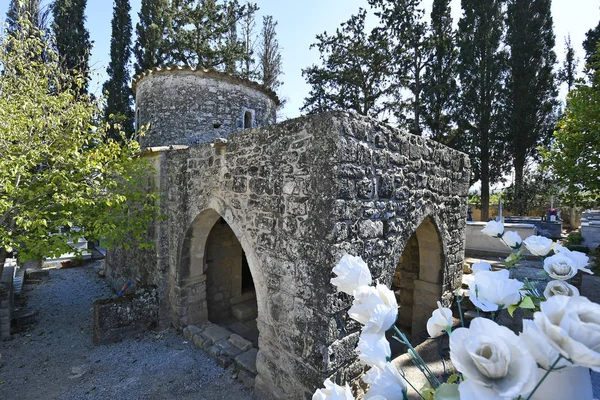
x: 56, y: 359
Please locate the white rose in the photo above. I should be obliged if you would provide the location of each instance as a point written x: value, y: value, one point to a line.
x: 373, y: 349
x: 374, y: 307
x: 491, y: 289
x: 441, y: 320
x: 481, y: 266
x: 562, y: 288
x: 539, y: 346
x: 538, y: 245
x: 333, y: 392
x: 494, y: 229
x: 579, y: 258
x: 572, y: 327
x: 512, y: 239
x: 386, y: 383
x: 494, y: 361
x: 351, y: 272
x: 560, y: 267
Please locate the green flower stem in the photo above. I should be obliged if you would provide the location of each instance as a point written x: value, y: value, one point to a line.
x: 413, y: 388
x: 544, y: 377
x: 417, y: 360
x: 460, y: 313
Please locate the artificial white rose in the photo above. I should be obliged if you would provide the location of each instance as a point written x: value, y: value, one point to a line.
x: 572, y: 327
x: 494, y: 361
x: 560, y: 267
x: 539, y: 346
x: 538, y: 245
x: 373, y: 349
x: 351, y: 272
x: 333, y: 392
x: 374, y: 307
x: 490, y: 290
x: 385, y: 383
x: 494, y: 229
x: 512, y: 239
x: 561, y: 288
x: 579, y: 259
x: 481, y: 266
x: 441, y: 320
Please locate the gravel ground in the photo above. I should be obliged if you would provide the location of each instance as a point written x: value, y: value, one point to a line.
x: 56, y: 359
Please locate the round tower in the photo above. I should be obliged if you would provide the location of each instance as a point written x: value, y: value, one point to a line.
x: 189, y: 106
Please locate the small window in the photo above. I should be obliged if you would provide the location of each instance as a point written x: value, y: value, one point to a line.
x: 216, y: 125
x: 247, y: 120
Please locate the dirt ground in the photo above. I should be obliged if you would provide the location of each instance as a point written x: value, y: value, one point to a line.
x: 56, y: 359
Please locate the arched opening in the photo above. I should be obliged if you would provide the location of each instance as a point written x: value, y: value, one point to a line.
x: 247, y: 120
x: 417, y: 280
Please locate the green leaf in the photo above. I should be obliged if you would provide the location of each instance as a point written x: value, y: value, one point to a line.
x: 512, y: 309
x: 526, y: 303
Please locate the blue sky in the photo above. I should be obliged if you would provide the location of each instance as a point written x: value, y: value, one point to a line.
x: 300, y: 21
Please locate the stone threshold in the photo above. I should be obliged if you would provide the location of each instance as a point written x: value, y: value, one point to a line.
x: 226, y: 348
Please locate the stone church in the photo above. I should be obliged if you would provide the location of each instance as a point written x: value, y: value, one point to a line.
x: 256, y: 214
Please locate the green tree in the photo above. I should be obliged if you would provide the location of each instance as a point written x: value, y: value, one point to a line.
x: 72, y: 38
x: 532, y: 91
x: 440, y: 85
x: 574, y: 156
x: 403, y: 23
x: 202, y: 33
x: 57, y: 168
x: 592, y: 37
x: 355, y: 70
x: 568, y: 72
x: 30, y: 10
x: 119, y: 96
x: 481, y: 69
x: 248, y: 66
x: 151, y: 47
x: 269, y: 55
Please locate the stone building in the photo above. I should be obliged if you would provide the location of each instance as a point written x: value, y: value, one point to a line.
x: 257, y: 214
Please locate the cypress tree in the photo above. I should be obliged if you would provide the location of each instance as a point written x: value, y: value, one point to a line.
x: 119, y: 97
x: 590, y: 45
x: 441, y: 90
x: 72, y: 38
x: 248, y: 67
x: 531, y: 87
x: 481, y: 69
x: 151, y: 47
x: 270, y: 55
x: 569, y: 69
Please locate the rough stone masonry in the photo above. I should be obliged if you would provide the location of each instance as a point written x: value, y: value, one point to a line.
x: 297, y: 196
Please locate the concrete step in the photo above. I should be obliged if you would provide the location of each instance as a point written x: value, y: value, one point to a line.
x: 245, y: 311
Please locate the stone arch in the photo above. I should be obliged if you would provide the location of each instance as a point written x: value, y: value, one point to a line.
x: 191, y: 294
x: 419, y: 275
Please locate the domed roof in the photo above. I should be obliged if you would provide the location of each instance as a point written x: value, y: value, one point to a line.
x: 207, y: 72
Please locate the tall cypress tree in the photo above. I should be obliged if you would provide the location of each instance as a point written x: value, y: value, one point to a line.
x: 151, y: 47
x: 30, y: 10
x: 569, y: 69
x: 531, y: 85
x: 72, y: 38
x: 481, y: 68
x: 119, y: 98
x: 440, y: 86
x: 590, y: 45
x: 269, y: 54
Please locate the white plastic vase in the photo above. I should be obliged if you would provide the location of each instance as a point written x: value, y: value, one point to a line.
x: 567, y: 383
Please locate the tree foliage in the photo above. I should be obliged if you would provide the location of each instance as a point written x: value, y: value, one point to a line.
x: 574, y: 156
x: 57, y: 167
x: 151, y: 47
x: 440, y: 93
x: 568, y: 71
x: 532, y: 91
x: 592, y: 37
x: 482, y: 70
x: 72, y: 39
x: 355, y: 71
x: 119, y: 96
x: 32, y: 11
x: 269, y: 54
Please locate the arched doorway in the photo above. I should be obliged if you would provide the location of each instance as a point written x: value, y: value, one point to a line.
x: 247, y: 120
x: 215, y: 283
x: 417, y: 280
x: 230, y: 293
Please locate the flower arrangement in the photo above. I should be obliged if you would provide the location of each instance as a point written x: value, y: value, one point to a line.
x: 491, y: 361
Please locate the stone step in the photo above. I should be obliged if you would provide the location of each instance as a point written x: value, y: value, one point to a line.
x: 245, y: 311
x: 247, y: 360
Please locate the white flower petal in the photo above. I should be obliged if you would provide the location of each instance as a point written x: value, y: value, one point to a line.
x: 538, y: 245
x: 373, y: 349
x: 352, y: 272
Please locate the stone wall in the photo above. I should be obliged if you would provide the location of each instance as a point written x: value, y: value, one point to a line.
x: 6, y: 300
x: 188, y: 106
x: 121, y: 317
x: 297, y: 196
